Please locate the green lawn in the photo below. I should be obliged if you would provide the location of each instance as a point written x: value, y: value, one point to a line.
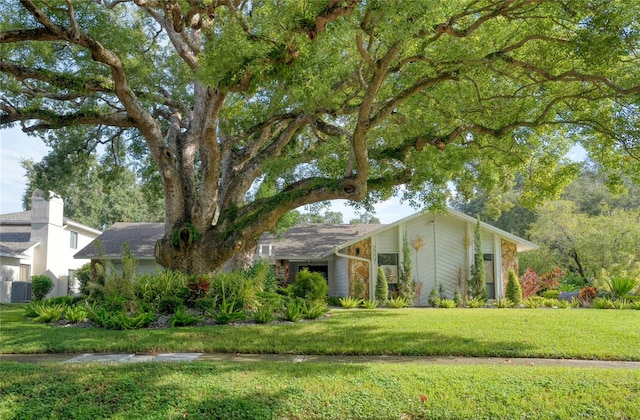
x: 205, y: 390
x: 278, y: 390
x: 555, y: 333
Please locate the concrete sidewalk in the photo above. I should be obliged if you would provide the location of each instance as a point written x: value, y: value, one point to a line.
x: 236, y: 357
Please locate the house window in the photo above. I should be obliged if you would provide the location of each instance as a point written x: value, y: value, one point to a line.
x: 25, y: 272
x: 74, y: 240
x: 73, y: 286
x: 389, y: 264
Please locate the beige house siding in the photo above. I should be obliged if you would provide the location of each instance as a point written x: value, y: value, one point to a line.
x: 509, y: 261
x: 360, y: 269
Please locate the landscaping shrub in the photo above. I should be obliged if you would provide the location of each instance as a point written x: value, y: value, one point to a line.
x: 586, y: 295
x: 478, y: 282
x: 118, y: 319
x: 476, y: 302
x: 294, y: 310
x: 457, y: 297
x: 230, y: 310
x: 358, y: 288
x: 529, y: 283
x: 51, y: 313
x: 310, y: 286
x: 265, y: 313
x: 533, y: 302
x: 315, y: 310
x: 182, y: 318
x: 169, y: 305
x: 65, y: 300
x: 550, y: 294
x: 76, y: 314
x: 236, y: 287
x: 33, y: 309
x: 447, y: 303
x: 349, y: 302
x: 42, y: 285
x: 550, y: 303
x: 550, y: 280
x: 369, y: 304
x: 333, y: 301
x: 382, y: 287
x: 152, y: 288
x: 603, y: 303
x: 406, y: 285
x: 571, y: 282
x: 197, y: 287
x: 514, y: 290
x: 118, y: 284
x: 503, y: 303
x: 263, y: 275
x: 620, y: 287
x: 398, y: 302
x: 434, y: 297
x: 83, y: 274
x: 205, y: 304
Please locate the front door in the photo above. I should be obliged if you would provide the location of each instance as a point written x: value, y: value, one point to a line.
x: 322, y: 269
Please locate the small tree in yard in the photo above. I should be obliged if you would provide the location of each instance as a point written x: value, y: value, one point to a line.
x: 514, y: 291
x: 42, y: 285
x: 382, y: 287
x: 406, y: 285
x: 478, y: 278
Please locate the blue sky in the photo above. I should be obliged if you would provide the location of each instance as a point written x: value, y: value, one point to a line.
x: 16, y: 146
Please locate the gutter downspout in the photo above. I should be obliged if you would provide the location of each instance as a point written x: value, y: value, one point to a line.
x: 353, y: 257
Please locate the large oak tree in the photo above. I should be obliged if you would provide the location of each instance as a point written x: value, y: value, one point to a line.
x: 333, y: 99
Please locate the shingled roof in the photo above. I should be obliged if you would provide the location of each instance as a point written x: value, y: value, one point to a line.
x: 141, y: 238
x: 303, y: 241
x: 314, y: 240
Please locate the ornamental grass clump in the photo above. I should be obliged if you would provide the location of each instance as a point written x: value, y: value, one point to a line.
x: 369, y: 304
x: 447, y: 303
x: 503, y: 303
x: 349, y: 302
x: 398, y: 302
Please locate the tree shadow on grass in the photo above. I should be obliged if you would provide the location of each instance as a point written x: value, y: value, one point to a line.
x: 208, y: 390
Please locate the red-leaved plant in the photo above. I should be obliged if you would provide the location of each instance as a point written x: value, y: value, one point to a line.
x: 529, y: 283
x: 550, y: 280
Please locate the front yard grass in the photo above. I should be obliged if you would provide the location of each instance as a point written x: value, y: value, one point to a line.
x: 552, y: 333
x: 253, y: 390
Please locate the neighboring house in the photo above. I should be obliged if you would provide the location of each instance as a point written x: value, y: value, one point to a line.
x: 141, y: 239
x: 344, y: 253
x: 40, y: 242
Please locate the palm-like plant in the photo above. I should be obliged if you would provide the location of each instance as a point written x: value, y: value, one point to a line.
x: 621, y: 286
x: 417, y: 243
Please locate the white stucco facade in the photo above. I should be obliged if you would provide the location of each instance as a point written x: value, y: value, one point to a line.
x: 49, y: 241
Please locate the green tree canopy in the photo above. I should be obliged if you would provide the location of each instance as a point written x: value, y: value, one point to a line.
x: 332, y: 99
x: 96, y: 195
x: 585, y: 244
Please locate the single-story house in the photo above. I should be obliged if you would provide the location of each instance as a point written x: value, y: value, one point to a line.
x: 40, y: 241
x: 346, y: 253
